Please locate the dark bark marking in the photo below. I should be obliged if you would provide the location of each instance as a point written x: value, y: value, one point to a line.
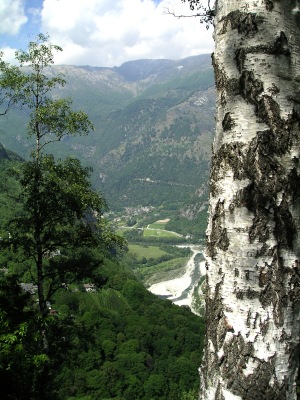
x: 218, y: 237
x: 267, y: 110
x: 285, y: 229
x: 239, y: 294
x: 282, y: 45
x: 232, y: 86
x: 237, y: 353
x: 295, y: 284
x: 278, y: 48
x: 214, y: 312
x: 268, y: 177
x: 219, y: 395
x: 227, y: 123
x: 269, y: 5
x: 273, y: 89
x: 264, y: 326
x: 245, y: 23
x: 259, y: 230
x: 248, y: 319
x: 223, y: 98
x: 240, y: 57
x: 220, y: 75
x: 264, y: 277
x: 252, y: 294
x: 229, y: 156
x: 274, y: 290
x: 250, y: 88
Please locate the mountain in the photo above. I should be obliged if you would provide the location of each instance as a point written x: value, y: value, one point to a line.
x: 154, y: 122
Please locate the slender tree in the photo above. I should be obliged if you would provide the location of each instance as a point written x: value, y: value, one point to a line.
x: 61, y: 221
x: 253, y: 273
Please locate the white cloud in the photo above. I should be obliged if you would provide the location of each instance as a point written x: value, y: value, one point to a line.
x: 9, y: 55
x: 12, y: 16
x: 106, y: 33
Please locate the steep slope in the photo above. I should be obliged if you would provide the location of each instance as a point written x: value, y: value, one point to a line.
x: 118, y: 342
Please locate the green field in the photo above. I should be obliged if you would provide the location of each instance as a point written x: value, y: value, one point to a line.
x: 141, y: 251
x: 159, y: 233
x: 166, y: 270
x: 155, y: 263
x: 158, y: 225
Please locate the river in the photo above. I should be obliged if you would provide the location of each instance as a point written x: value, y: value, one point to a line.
x: 180, y: 290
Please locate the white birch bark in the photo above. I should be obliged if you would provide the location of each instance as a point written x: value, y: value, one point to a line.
x: 253, y: 236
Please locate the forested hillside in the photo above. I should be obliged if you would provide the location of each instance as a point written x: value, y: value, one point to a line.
x: 117, y: 342
x: 153, y: 131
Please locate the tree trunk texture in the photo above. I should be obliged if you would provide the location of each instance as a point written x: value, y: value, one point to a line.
x: 253, y: 235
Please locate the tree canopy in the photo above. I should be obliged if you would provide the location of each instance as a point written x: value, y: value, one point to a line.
x: 61, y: 213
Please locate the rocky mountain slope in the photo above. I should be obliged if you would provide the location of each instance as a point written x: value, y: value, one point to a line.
x: 154, y: 122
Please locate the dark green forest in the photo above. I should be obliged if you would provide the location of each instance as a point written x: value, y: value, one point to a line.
x: 120, y: 342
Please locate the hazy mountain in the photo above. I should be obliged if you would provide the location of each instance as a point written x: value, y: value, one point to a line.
x: 154, y: 122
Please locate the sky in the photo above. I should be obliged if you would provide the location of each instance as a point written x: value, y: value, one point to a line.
x: 104, y: 33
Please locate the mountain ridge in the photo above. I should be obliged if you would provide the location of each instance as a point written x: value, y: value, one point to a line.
x: 154, y: 124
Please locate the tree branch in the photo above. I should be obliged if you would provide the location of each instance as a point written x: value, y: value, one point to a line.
x: 206, y: 14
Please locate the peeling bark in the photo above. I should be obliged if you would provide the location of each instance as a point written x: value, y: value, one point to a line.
x: 253, y: 235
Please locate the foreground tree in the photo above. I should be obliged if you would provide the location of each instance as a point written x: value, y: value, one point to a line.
x: 61, y: 223
x: 253, y: 236
x: 22, y: 357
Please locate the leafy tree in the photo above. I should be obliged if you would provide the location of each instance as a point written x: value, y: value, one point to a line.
x: 61, y: 221
x: 23, y: 360
x: 59, y: 230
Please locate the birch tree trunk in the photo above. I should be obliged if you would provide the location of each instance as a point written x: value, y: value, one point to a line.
x: 253, y: 236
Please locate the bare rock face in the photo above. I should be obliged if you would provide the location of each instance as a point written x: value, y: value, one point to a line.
x: 253, y: 271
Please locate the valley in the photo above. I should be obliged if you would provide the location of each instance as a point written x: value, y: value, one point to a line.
x: 151, y: 146
x: 165, y: 272
x: 180, y: 290
x: 89, y: 319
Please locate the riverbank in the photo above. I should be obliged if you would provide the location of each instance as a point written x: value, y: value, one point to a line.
x: 180, y: 290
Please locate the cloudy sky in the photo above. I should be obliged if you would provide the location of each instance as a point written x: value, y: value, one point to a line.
x: 104, y: 32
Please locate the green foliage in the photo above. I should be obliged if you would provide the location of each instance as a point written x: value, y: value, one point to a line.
x: 108, y: 299
x: 156, y: 263
x: 144, y: 251
x: 9, y: 190
x: 23, y: 359
x: 63, y: 221
x: 144, y: 348
x: 108, y: 344
x: 137, y: 236
x: 60, y: 223
x: 159, y: 233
